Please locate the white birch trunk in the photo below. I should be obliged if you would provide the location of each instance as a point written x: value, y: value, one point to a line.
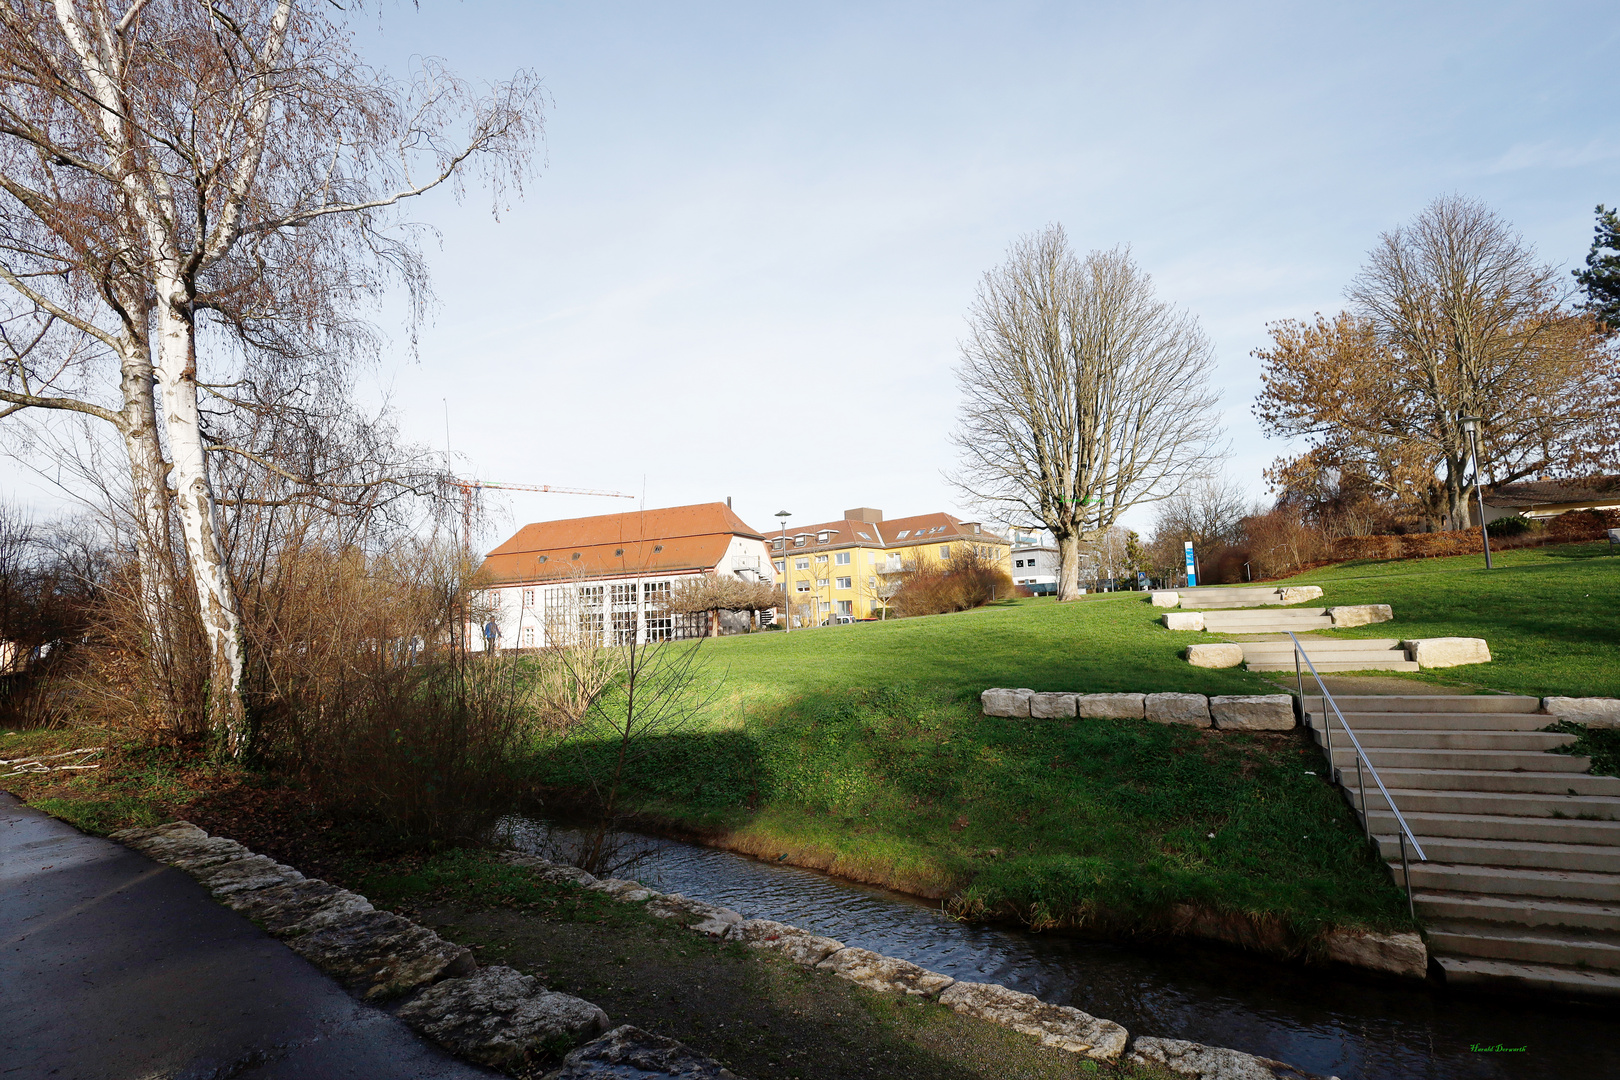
x: 199, y: 520
x: 149, y: 503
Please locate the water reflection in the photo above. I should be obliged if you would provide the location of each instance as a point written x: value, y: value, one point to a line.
x: 1327, y: 1022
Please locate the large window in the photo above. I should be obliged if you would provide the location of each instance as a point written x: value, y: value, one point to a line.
x: 821, y: 583
x: 781, y: 565
x: 843, y: 583
x: 846, y: 607
x: 801, y: 564
x: 841, y: 558
x: 802, y: 585
x: 944, y: 551
x: 822, y: 559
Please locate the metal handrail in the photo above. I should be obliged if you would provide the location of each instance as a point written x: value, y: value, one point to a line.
x: 1405, y: 833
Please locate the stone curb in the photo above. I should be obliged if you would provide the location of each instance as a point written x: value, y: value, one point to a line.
x: 1247, y: 712
x: 1061, y: 1027
x: 1598, y: 712
x: 494, y: 1016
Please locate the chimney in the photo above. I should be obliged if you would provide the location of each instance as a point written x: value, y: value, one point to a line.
x: 728, y: 502
x: 864, y: 513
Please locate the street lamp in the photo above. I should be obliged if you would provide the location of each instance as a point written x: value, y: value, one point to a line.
x: 787, y: 605
x: 1470, y: 425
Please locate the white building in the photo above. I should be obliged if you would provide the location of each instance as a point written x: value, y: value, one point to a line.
x: 605, y: 575
x: 1034, y: 561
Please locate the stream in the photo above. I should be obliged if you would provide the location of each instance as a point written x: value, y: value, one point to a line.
x: 1327, y: 1021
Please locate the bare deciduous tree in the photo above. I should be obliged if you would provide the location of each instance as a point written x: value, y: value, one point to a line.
x: 1083, y: 395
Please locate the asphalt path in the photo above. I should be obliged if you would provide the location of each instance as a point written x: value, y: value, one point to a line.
x: 115, y: 967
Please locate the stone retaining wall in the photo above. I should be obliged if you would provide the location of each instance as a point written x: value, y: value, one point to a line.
x: 1229, y: 712
x: 500, y: 1017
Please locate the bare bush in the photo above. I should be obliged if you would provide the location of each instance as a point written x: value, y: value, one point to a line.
x: 968, y: 580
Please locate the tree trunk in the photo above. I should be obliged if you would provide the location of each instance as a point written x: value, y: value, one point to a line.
x: 1068, y: 583
x: 199, y: 523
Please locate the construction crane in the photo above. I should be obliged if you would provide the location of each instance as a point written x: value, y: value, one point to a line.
x: 469, y: 486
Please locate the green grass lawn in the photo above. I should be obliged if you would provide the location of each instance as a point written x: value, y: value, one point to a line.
x: 1548, y: 614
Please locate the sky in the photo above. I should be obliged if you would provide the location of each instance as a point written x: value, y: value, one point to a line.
x: 743, y: 263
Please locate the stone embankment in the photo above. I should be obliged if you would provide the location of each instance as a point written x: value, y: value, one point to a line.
x: 1227, y: 712
x: 502, y: 1018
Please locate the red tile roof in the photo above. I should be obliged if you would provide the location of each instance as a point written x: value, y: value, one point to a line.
x: 667, y: 541
x: 1554, y: 492
x: 921, y: 529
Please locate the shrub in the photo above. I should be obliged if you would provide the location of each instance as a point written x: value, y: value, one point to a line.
x: 1517, y: 525
x: 969, y: 580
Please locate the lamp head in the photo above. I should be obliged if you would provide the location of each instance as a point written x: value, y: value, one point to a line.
x: 783, y: 514
x: 1470, y: 424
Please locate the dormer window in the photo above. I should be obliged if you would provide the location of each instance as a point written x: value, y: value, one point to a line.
x: 800, y: 540
x: 823, y: 537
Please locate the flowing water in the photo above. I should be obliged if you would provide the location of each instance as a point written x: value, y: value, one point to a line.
x: 1330, y: 1022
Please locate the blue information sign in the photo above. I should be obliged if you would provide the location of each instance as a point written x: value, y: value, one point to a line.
x: 1192, y: 566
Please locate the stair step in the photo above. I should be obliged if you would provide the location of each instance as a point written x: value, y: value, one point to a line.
x: 1542, y: 945
x: 1448, y: 703
x: 1543, y: 978
x: 1511, y: 881
x: 1544, y: 830
x: 1332, y: 666
x: 1509, y: 803
x: 1518, y: 910
x: 1324, y: 645
x: 1265, y: 614
x: 1319, y: 657
x: 1369, y: 721
x: 1492, y: 781
x: 1444, y: 739
x: 1344, y: 756
x: 1532, y: 854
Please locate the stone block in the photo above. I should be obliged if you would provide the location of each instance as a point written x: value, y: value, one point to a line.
x: 1165, y: 599
x: 1183, y: 620
x: 1216, y: 654
x: 800, y: 946
x: 1058, y: 1026
x: 501, y: 1018
x: 1257, y: 712
x: 877, y: 972
x: 1209, y: 1062
x: 246, y: 875
x: 183, y: 845
x: 1189, y: 709
x: 298, y: 907
x: 1396, y: 954
x: 1109, y: 706
x: 1598, y: 712
x: 382, y: 955
x: 1006, y: 702
x: 1298, y: 594
x: 630, y: 892
x: 708, y: 919
x: 628, y: 1052
x: 1361, y: 614
x: 1051, y: 706
x: 1444, y: 652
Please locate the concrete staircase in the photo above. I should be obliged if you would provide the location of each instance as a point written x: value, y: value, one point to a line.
x: 1522, y: 886
x: 1329, y: 655
x: 1267, y: 620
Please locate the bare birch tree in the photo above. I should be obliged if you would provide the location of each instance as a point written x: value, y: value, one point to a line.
x: 1083, y: 395
x: 246, y: 166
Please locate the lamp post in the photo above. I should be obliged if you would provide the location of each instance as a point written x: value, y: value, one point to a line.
x: 787, y: 605
x: 1470, y: 424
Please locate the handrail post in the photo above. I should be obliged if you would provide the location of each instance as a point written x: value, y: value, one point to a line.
x: 1406, y: 877
x: 1361, y: 783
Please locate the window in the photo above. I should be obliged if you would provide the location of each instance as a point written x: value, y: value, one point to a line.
x: 903, y: 534
x: 846, y: 607
x: 528, y: 637
x: 1018, y: 562
x: 655, y: 592
x: 843, y: 583
x: 624, y: 626
x: 862, y: 535
x: 871, y: 583
x: 780, y: 564
x: 821, y: 559
x: 624, y: 594
x: 823, y: 537
x: 799, y: 541
x: 777, y: 543
x: 842, y: 558
x: 528, y: 598
x: 821, y: 583
x: 661, y: 628
x: 944, y: 551
x: 802, y: 585
x: 801, y: 564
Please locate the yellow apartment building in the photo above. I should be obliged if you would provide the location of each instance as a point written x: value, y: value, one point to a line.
x: 847, y: 569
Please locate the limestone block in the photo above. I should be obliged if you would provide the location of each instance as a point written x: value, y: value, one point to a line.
x: 1257, y: 712
x: 1184, y: 620
x: 1051, y: 706
x: 1165, y: 599
x: 182, y: 844
x: 1218, y: 654
x: 1109, y: 706
x: 1397, y: 954
x: 800, y: 946
x: 298, y: 907
x: 558, y: 874
x: 1057, y: 1026
x: 1298, y: 594
x: 705, y: 918
x: 1189, y: 709
x: 500, y: 1017
x: 630, y: 892
x: 1361, y: 614
x: 1006, y: 702
x: 1598, y: 712
x: 246, y: 875
x: 382, y: 955
x: 1442, y: 652
x: 1209, y: 1062
x: 876, y: 972
x: 630, y: 1052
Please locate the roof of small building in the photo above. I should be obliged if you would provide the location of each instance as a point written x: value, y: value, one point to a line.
x: 900, y: 532
x: 645, y: 542
x: 1552, y: 492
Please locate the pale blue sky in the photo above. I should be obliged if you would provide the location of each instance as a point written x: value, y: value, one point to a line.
x: 752, y: 216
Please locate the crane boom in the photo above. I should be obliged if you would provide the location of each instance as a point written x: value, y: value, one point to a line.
x: 469, y: 486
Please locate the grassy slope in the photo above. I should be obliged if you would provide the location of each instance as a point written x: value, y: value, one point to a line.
x: 1547, y: 613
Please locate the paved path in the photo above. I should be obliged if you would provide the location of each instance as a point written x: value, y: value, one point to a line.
x: 114, y: 967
